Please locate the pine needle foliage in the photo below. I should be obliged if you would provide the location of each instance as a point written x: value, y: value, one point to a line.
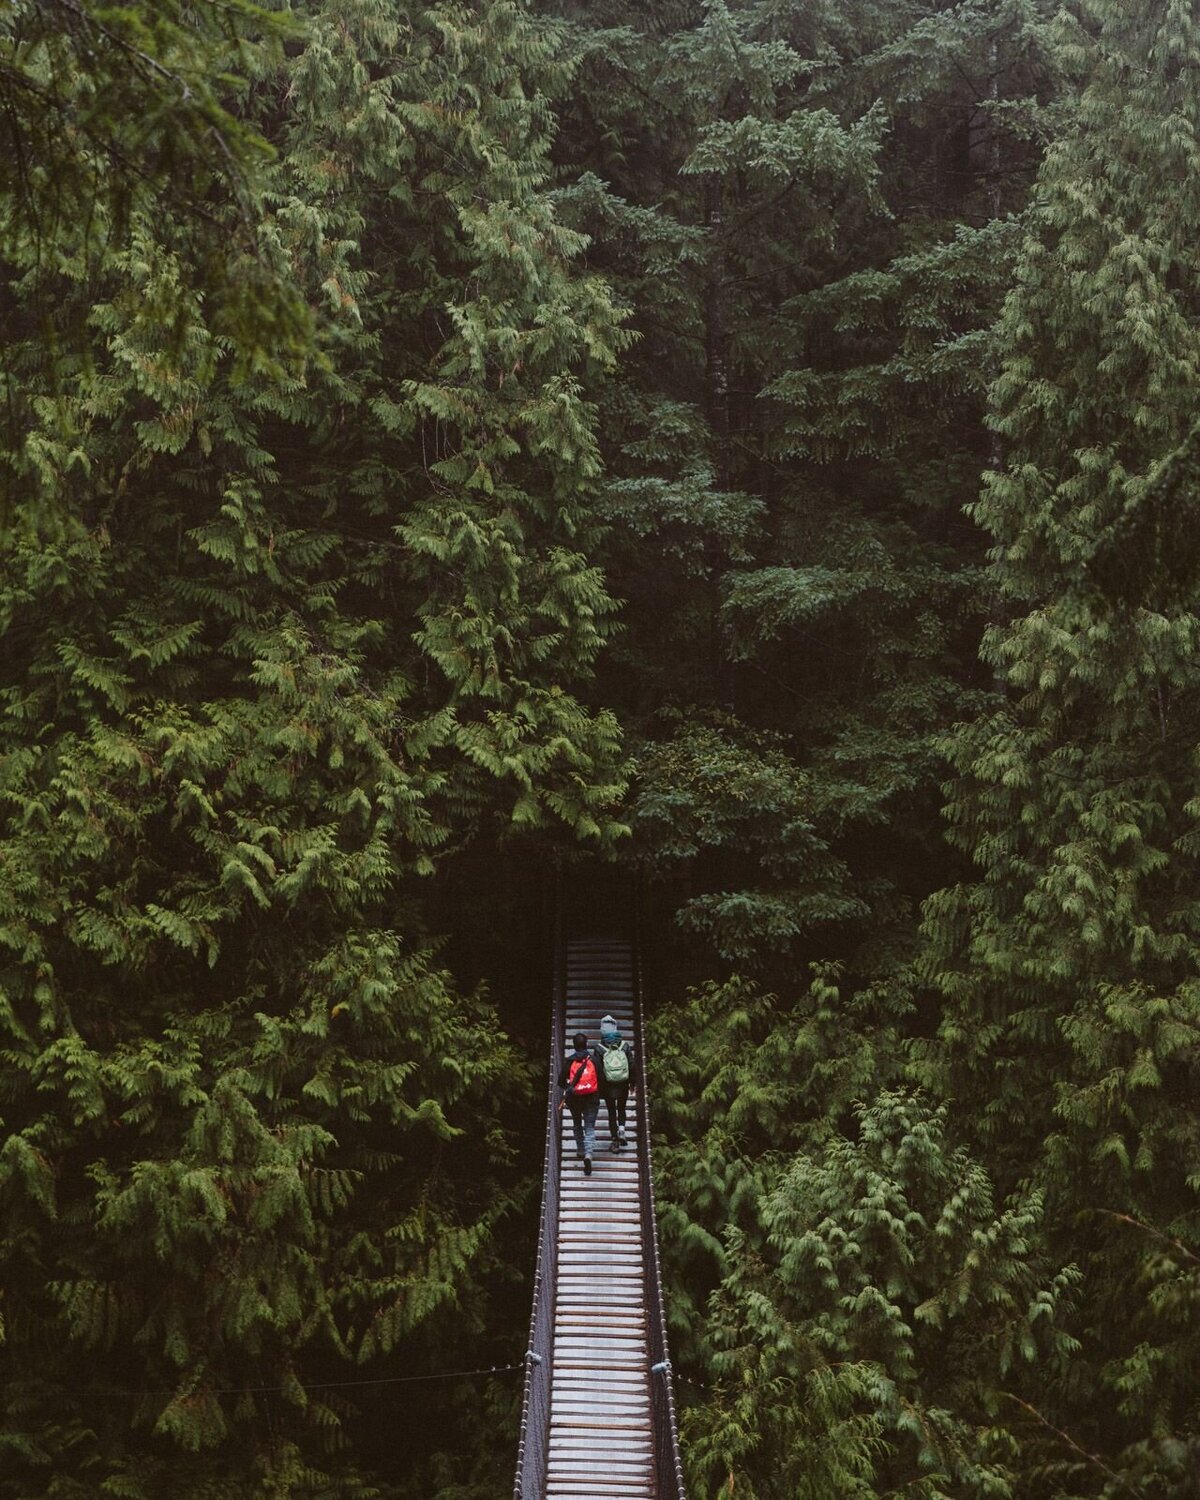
x: 284, y: 632
x: 808, y: 210
x: 844, y: 1280
x: 1066, y: 966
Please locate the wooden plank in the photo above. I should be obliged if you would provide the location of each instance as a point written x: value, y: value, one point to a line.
x: 598, y: 1266
x: 606, y: 1212
x: 617, y: 1223
x: 604, y: 1186
x: 636, y: 1456
x: 557, y: 1492
x: 579, y: 1380
x: 599, y: 1252
x: 608, y: 1215
x: 576, y: 1289
x: 578, y: 1211
x: 625, y: 1365
x: 572, y: 1343
x: 627, y: 1431
x: 600, y: 1386
x: 606, y: 1201
x: 641, y: 1404
x: 633, y: 1358
x: 607, y: 1222
x: 636, y: 1449
x: 563, y: 1442
x: 625, y: 1383
x: 633, y: 1458
x: 575, y: 1468
x: 602, y: 1190
x: 596, y: 1231
x: 577, y: 1280
x: 578, y: 1469
x: 592, y: 1488
x: 637, y: 1399
x: 603, y: 1411
x: 627, y: 1359
x: 614, y: 1209
x: 619, y: 1234
x: 598, y: 1405
x: 598, y: 1199
x: 636, y: 1452
x: 589, y: 1424
x: 585, y: 1349
x: 633, y: 1380
x: 579, y: 1461
x: 586, y: 1317
x: 580, y: 1233
x: 601, y: 1196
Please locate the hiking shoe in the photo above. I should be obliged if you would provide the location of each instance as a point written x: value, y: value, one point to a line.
x: 615, y: 1146
x: 621, y: 1134
x: 587, y: 1166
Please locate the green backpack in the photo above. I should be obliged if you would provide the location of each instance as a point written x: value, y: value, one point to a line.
x: 616, y: 1064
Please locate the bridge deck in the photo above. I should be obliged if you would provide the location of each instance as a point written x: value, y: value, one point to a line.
x: 601, y: 1420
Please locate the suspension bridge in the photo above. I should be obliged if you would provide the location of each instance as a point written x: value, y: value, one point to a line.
x: 598, y: 1418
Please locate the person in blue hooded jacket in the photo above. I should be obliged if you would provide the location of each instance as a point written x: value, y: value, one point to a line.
x: 619, y: 1079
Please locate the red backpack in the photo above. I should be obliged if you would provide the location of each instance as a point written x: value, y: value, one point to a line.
x: 585, y: 1080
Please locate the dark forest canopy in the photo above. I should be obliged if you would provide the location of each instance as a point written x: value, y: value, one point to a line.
x: 750, y: 443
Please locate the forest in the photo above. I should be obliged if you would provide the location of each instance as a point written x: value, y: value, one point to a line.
x: 740, y: 453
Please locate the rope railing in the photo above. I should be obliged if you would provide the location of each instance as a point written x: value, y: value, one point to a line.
x: 534, y: 1443
x: 668, y: 1465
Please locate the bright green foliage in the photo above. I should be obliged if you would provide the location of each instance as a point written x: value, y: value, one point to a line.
x: 741, y: 1080
x: 1067, y: 968
x: 282, y: 634
x: 854, y: 1299
x: 891, y: 1293
x: 123, y: 116
x: 328, y: 452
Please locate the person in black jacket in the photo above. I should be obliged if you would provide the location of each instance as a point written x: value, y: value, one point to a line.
x: 579, y: 1078
x: 616, y: 1088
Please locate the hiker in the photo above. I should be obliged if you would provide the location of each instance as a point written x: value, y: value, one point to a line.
x: 619, y: 1079
x: 579, y: 1078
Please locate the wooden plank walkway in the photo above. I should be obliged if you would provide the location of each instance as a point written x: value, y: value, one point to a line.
x: 601, y: 1422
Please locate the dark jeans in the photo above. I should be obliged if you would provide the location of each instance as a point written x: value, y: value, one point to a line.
x: 615, y: 1097
x: 583, y: 1120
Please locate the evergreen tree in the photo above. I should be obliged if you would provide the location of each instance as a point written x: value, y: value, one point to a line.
x: 283, y: 634
x: 115, y: 115
x: 859, y: 1346
x: 1066, y: 967
x: 803, y: 207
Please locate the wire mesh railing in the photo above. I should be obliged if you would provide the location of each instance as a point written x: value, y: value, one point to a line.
x: 534, y: 1443
x: 668, y: 1465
